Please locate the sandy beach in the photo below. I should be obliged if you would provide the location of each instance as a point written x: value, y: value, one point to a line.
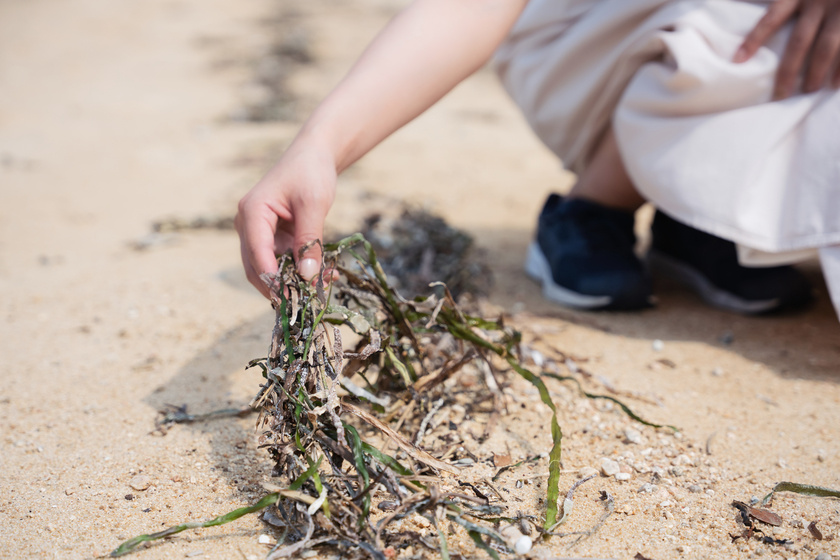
x: 117, y: 116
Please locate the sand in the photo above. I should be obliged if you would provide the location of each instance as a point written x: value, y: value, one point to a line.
x: 116, y: 115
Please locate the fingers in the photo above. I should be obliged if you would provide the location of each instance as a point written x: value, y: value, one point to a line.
x: 309, y: 231
x: 256, y: 241
x: 814, y: 41
x: 798, y: 46
x: 777, y: 15
x: 825, y: 52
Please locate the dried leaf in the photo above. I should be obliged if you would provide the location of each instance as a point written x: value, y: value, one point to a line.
x: 763, y: 515
x: 501, y: 460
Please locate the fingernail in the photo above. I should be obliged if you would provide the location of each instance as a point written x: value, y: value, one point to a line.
x: 740, y: 56
x: 308, y: 268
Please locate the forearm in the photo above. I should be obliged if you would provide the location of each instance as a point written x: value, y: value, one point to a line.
x: 421, y: 55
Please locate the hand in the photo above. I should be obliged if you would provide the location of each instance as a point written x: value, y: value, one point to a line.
x: 814, y: 41
x: 286, y: 210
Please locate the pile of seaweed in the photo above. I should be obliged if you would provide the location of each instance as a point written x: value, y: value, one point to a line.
x: 400, y: 352
x: 353, y: 367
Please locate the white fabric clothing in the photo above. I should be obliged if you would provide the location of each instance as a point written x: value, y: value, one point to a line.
x: 699, y: 134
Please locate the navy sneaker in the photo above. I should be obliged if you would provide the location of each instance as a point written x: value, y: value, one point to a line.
x: 709, y: 265
x: 584, y: 256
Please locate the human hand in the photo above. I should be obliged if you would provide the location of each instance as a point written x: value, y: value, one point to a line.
x: 814, y: 42
x: 286, y: 210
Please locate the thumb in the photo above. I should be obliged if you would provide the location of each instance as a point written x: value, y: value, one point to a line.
x: 308, y: 249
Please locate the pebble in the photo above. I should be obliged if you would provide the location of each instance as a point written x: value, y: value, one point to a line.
x: 264, y: 539
x: 632, y: 436
x: 609, y: 467
x: 683, y: 549
x: 194, y: 553
x: 823, y: 556
x: 683, y: 459
x: 695, y: 488
x: 586, y: 472
x: 623, y: 476
x: 647, y: 488
x: 140, y: 482
x: 658, y: 345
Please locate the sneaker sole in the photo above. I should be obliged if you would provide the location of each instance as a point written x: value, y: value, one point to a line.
x: 668, y: 267
x: 537, y: 267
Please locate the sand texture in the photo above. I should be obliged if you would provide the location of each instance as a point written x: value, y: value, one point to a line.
x: 118, y: 115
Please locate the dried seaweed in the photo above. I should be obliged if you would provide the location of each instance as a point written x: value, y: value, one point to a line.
x: 417, y: 248
x: 328, y: 443
x: 621, y: 405
x: 804, y: 489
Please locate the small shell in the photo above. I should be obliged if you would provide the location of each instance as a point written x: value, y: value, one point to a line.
x: 523, y: 545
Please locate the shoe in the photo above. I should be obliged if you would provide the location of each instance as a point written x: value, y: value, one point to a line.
x: 709, y: 265
x: 583, y: 257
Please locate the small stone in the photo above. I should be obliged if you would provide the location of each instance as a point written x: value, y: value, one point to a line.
x: 623, y: 476
x: 683, y: 549
x: 676, y: 471
x: 609, y: 467
x: 647, y: 488
x: 823, y: 556
x: 194, y: 553
x: 683, y: 459
x: 821, y: 456
x: 695, y: 488
x: 658, y: 345
x: 309, y: 554
x: 264, y: 539
x: 717, y: 372
x: 632, y: 436
x: 710, y: 492
x: 140, y: 482
x: 625, y: 468
x: 586, y: 472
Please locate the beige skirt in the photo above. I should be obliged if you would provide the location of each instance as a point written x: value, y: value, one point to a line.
x: 699, y: 134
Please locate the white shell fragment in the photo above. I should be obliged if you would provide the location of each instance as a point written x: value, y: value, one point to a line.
x: 523, y: 545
